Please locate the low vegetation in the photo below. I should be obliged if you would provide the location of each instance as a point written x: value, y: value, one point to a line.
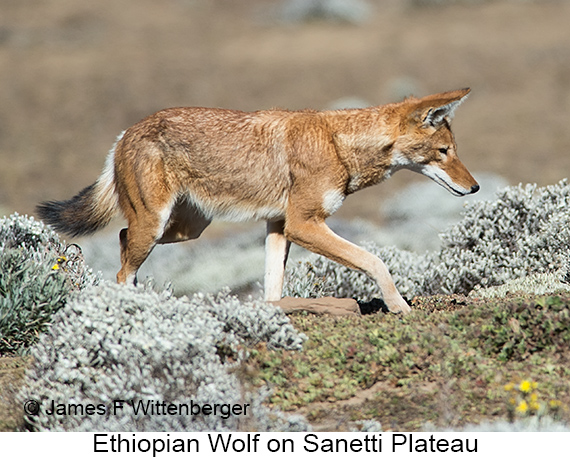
x: 472, y: 355
x: 450, y: 363
x: 38, y: 274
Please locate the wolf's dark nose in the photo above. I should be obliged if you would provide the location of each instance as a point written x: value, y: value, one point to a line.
x: 475, y: 188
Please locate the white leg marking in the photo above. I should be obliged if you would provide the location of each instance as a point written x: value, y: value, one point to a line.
x: 132, y: 279
x: 276, y: 253
x: 164, y: 218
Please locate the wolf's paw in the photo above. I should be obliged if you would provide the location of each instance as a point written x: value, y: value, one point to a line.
x: 398, y: 306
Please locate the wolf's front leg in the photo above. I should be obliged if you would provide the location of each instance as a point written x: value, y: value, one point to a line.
x: 317, y: 237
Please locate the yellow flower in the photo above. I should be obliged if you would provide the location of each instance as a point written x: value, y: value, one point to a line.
x: 534, y: 405
x: 522, y: 407
x: 60, y: 261
x: 525, y: 386
x: 508, y: 387
x: 554, y: 404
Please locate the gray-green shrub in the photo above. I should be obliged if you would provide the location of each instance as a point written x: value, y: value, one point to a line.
x: 37, y: 273
x: 116, y: 342
x: 524, y: 231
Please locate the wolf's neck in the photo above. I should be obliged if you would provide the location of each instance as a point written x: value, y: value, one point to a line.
x: 364, y: 142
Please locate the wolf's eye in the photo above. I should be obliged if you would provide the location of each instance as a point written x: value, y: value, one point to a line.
x: 443, y: 151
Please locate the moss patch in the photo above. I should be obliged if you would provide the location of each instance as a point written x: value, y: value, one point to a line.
x: 447, y: 363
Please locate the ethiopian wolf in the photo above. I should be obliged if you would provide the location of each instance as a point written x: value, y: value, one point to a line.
x: 176, y: 170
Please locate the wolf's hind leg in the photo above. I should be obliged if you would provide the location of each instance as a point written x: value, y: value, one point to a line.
x: 276, y: 253
x: 136, y: 244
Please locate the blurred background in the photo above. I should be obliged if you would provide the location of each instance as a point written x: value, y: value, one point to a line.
x: 73, y: 75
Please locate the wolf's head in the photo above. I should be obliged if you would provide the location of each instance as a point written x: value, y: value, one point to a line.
x: 426, y: 143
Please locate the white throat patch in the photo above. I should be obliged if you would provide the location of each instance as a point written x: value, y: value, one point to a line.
x: 332, y: 200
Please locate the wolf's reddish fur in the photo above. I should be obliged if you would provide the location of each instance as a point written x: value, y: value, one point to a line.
x: 176, y: 170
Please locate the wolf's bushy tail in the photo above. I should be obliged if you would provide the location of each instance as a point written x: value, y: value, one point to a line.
x: 90, y: 210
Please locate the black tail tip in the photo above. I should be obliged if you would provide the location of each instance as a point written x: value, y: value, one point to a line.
x: 60, y: 217
x: 52, y: 214
x: 49, y: 212
x: 76, y: 216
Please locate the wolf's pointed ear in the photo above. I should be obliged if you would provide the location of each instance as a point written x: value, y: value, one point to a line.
x: 436, y: 109
x: 436, y: 116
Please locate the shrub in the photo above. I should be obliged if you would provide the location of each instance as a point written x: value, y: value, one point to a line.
x: 130, y: 343
x: 535, y: 284
x: 525, y: 231
x: 37, y: 273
